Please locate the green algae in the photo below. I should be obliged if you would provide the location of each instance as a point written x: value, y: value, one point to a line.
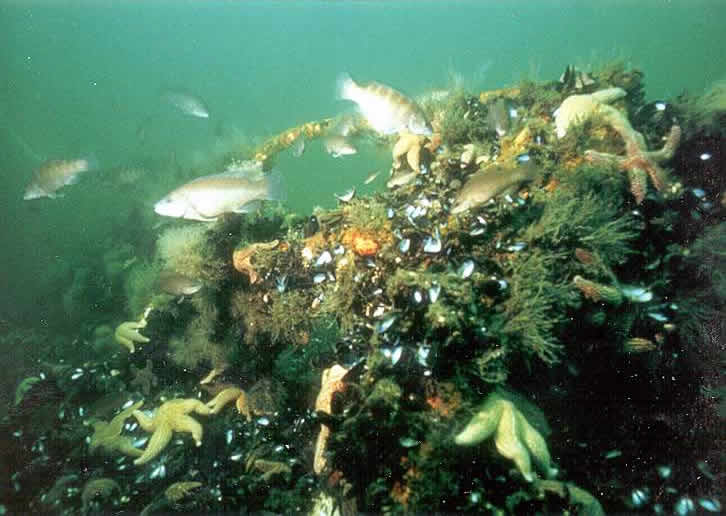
x: 464, y: 120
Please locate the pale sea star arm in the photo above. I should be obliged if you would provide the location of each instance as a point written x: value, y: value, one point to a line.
x: 194, y: 405
x: 608, y: 95
x: 158, y: 441
x: 229, y: 394
x: 577, y: 108
x: 514, y: 438
x: 127, y: 334
x: 190, y: 425
x: 509, y: 444
x: 537, y: 446
x: 482, y: 426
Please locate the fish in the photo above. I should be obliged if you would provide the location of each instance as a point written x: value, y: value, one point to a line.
x: 372, y: 177
x: 187, y: 103
x: 498, y: 117
x: 178, y: 285
x: 53, y: 175
x: 347, y: 196
x: 298, y: 146
x: 401, y: 178
x: 239, y: 189
x: 338, y: 146
x: 387, y: 111
x: 492, y: 181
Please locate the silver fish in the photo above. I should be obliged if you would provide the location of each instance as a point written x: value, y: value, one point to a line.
x: 371, y: 178
x: 177, y: 285
x: 54, y: 175
x: 338, y: 146
x: 387, y: 111
x: 239, y: 189
x: 347, y: 196
x: 187, y: 103
x: 498, y: 117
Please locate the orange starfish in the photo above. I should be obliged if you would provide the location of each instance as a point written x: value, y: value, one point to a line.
x: 638, y: 161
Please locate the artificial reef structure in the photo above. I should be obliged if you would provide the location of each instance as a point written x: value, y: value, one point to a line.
x: 528, y: 319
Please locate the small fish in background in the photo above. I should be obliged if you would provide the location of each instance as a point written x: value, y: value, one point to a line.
x: 142, y: 129
x: 372, y: 177
x: 187, y: 103
x: 175, y: 284
x: 239, y: 189
x: 298, y: 146
x: 347, y: 196
x: 54, y: 175
x: 498, y: 117
x: 387, y: 111
x: 338, y: 146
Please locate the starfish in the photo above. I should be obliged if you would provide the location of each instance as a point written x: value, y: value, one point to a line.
x: 514, y: 437
x: 224, y: 397
x: 127, y: 333
x: 172, y: 416
x: 107, y: 436
x: 332, y: 382
x: 577, y: 108
x: 638, y: 162
x: 242, y: 258
x: 408, y: 145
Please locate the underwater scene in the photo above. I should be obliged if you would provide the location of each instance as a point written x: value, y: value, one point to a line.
x: 336, y: 258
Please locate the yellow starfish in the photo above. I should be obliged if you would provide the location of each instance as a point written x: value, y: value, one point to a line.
x: 224, y: 397
x: 408, y: 145
x: 514, y: 437
x: 107, y: 436
x: 172, y: 416
x: 127, y: 333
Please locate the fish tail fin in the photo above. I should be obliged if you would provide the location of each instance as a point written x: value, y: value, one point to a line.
x: 275, y: 187
x: 345, y: 86
x: 92, y: 162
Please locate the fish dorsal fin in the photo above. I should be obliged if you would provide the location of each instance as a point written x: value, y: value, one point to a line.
x: 251, y: 170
